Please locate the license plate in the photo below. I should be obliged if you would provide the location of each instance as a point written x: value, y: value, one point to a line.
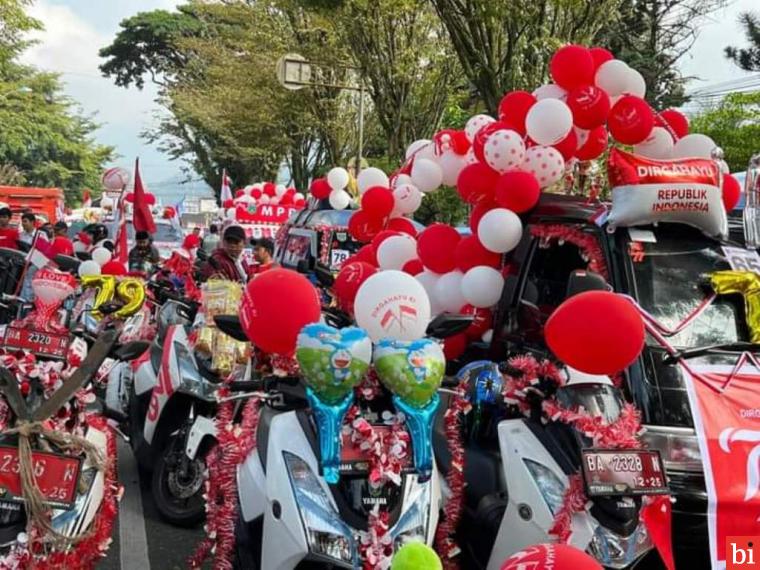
x: 57, y: 477
x: 354, y: 460
x: 623, y: 472
x: 47, y: 344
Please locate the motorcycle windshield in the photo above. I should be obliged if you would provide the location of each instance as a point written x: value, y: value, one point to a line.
x: 599, y: 400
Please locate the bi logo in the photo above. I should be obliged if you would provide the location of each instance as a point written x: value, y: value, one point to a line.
x: 742, y: 552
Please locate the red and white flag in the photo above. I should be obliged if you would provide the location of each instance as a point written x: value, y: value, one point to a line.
x: 725, y: 405
x: 121, y: 247
x: 42, y: 251
x: 142, y: 219
x: 86, y: 199
x: 226, y: 193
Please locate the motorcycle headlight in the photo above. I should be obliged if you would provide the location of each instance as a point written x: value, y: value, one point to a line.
x: 326, y: 533
x: 413, y: 524
x: 550, y: 486
x: 615, y: 551
x: 678, y: 447
x: 191, y: 381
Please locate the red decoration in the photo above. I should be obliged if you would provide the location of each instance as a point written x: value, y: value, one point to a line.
x: 631, y: 120
x: 378, y: 202
x: 191, y: 241
x: 470, y: 253
x: 413, y: 267
x: 366, y: 254
x: 376, y: 545
x: 270, y: 189
x: 517, y: 191
x: 480, y: 210
x: 590, y: 106
x: 597, y: 332
x: 435, y: 247
x: 454, y: 346
x: 364, y: 227
x: 572, y: 66
x: 129, y: 197
x: 594, y: 146
x: 256, y: 193
x: 150, y: 199
x: 675, y: 121
x: 476, y: 182
x: 731, y: 192
x: 228, y: 203
x: 113, y: 268
x: 482, y: 321
x: 450, y: 139
x: 348, y: 281
x: 275, y: 307
x: 554, y: 556
x: 169, y: 213
x: 600, y: 55
x: 656, y: 514
x: 239, y: 193
x: 403, y: 225
x: 513, y: 108
x: 587, y: 243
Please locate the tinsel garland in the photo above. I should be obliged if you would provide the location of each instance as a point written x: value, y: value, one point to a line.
x: 234, y: 442
x: 325, y: 241
x: 445, y: 543
x: 376, y: 545
x: 573, y: 501
x: 590, y: 249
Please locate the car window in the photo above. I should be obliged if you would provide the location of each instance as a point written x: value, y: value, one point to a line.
x: 297, y: 247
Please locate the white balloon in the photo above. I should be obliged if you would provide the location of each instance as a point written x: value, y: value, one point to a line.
x: 265, y: 199
x: 392, y: 304
x: 280, y: 189
x: 482, y: 285
x: 550, y: 91
x: 428, y: 279
x: 448, y: 292
x: 546, y: 164
x: 246, y: 199
x: 230, y: 214
x: 422, y: 148
x: 338, y: 178
x: 339, y: 200
x: 370, y: 177
x: 500, y: 230
x: 451, y: 165
x: 407, y: 199
x: 475, y: 123
x: 276, y: 199
x: 635, y: 83
x: 659, y: 144
x: 258, y: 186
x: 101, y: 256
x: 695, y: 145
x: 426, y: 174
x: 299, y: 196
x: 504, y: 151
x: 470, y: 157
x: 395, y: 251
x: 89, y: 267
x: 613, y: 76
x: 402, y: 179
x: 549, y: 121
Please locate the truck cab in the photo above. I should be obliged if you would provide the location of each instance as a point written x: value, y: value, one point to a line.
x: 664, y: 268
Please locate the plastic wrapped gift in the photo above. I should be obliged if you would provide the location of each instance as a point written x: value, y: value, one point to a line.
x: 220, y: 297
x: 228, y: 352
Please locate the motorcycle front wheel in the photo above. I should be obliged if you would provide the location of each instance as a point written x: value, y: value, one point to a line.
x: 178, y: 484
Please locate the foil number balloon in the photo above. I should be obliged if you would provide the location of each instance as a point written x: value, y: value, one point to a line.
x: 131, y: 291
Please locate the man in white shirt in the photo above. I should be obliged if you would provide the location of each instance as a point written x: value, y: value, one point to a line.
x: 27, y: 228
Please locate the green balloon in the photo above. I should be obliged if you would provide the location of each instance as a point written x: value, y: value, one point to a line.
x: 416, y: 556
x: 413, y: 370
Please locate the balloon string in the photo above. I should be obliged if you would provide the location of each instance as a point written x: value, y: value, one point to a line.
x: 665, y: 331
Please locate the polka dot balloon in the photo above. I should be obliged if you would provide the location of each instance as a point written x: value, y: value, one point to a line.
x: 546, y: 163
x: 504, y: 151
x: 474, y: 124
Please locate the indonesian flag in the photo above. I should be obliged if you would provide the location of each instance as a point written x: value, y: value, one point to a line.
x: 226, y: 193
x: 121, y: 248
x: 142, y: 219
x: 86, y: 199
x: 42, y: 251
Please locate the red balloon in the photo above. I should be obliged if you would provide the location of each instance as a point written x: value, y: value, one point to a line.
x: 572, y: 66
x: 594, y: 146
x: 568, y: 145
x: 554, y: 556
x: 129, y: 197
x: 478, y: 212
x: 403, y: 225
x: 732, y: 191
x: 590, y: 106
x: 275, y: 307
x: 364, y: 227
x: 113, y: 267
x: 269, y: 189
x: 600, y: 55
x: 256, y: 193
x: 348, y: 281
x: 378, y: 202
x: 676, y: 120
x: 517, y: 191
x: 150, y: 199
x: 381, y: 237
x: 631, y: 120
x: 228, y: 203
x: 413, y: 267
x: 366, y: 254
x: 299, y: 202
x: 597, y: 332
x: 454, y: 346
x: 320, y: 189
x: 481, y: 138
x: 513, y: 108
x: 191, y: 242
x: 435, y: 247
x: 482, y: 320
x: 470, y: 253
x: 239, y: 193
x: 286, y: 199
x: 476, y: 182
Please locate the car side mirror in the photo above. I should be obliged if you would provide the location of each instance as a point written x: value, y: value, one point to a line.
x: 446, y: 325
x: 230, y: 325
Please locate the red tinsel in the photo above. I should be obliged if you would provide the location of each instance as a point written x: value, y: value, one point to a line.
x: 369, y: 389
x: 375, y: 545
x: 325, y: 241
x: 573, y: 502
x: 235, y: 442
x: 445, y: 543
x: 587, y: 243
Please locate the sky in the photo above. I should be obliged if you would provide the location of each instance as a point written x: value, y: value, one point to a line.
x: 76, y: 29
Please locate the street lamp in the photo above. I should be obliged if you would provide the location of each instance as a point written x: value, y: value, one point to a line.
x: 295, y: 72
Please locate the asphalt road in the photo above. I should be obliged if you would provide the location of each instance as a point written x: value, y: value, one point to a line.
x: 141, y: 539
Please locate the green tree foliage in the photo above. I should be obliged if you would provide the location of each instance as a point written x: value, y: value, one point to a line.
x: 734, y: 124
x: 747, y: 58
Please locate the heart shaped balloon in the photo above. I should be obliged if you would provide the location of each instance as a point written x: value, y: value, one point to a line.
x: 412, y: 370
x: 333, y: 361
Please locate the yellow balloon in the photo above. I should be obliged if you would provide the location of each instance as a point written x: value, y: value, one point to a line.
x: 132, y: 292
x: 747, y: 284
x: 105, y: 285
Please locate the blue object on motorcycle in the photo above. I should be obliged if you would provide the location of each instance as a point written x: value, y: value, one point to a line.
x: 419, y: 422
x: 486, y: 379
x: 329, y: 419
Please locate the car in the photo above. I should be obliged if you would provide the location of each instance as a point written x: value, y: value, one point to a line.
x: 167, y: 238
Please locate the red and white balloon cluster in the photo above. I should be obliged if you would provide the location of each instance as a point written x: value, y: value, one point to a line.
x: 265, y: 193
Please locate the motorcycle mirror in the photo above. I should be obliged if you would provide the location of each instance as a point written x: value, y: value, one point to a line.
x: 131, y: 350
x: 444, y: 326
x: 230, y: 325
x: 83, y: 255
x: 67, y: 263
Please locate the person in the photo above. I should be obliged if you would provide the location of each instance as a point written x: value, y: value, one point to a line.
x: 144, y: 254
x: 62, y: 245
x: 27, y: 228
x: 211, y: 241
x: 8, y: 235
x: 226, y: 261
x: 263, y: 252
x: 47, y: 229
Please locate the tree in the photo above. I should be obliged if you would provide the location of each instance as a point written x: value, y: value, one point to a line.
x: 652, y: 36
x: 747, y: 58
x: 734, y: 124
x: 506, y: 45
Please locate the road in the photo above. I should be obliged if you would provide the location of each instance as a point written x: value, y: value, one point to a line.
x: 141, y: 539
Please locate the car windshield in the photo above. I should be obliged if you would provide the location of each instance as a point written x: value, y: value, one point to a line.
x: 164, y: 233
x: 671, y: 276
